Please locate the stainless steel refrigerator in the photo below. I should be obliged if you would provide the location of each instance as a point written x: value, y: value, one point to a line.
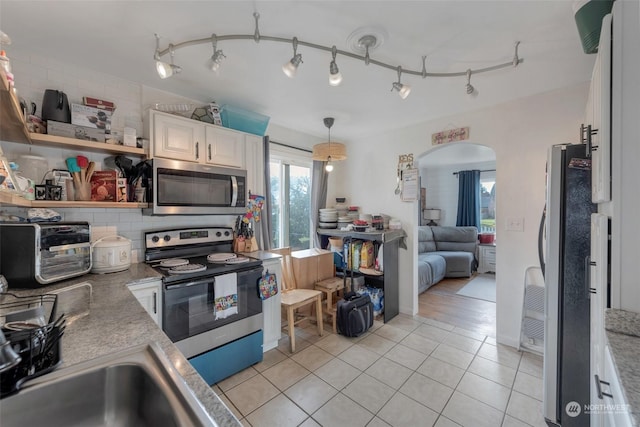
x: 567, y: 313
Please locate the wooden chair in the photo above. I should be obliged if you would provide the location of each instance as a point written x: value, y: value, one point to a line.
x: 330, y: 286
x: 293, y: 298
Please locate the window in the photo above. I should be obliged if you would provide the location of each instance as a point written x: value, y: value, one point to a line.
x: 290, y: 171
x: 487, y: 205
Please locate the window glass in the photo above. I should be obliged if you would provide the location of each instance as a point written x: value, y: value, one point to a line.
x: 291, y: 197
x: 487, y: 205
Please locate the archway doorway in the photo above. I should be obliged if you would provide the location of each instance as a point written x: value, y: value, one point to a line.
x: 467, y: 302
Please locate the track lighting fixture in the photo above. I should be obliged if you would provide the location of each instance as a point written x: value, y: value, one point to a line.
x: 403, y: 89
x: 329, y: 151
x: 290, y: 68
x: 335, y: 77
x: 366, y: 42
x: 218, y: 56
x: 165, y: 70
x: 471, y: 91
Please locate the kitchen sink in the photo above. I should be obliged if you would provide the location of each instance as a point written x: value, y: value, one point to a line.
x: 133, y: 387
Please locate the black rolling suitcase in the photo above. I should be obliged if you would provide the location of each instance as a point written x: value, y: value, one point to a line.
x: 355, y: 312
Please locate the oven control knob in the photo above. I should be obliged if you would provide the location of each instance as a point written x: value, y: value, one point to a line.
x: 155, y: 239
x: 166, y: 237
x: 218, y: 234
x: 226, y: 233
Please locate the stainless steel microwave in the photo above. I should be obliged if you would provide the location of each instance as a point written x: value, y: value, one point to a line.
x: 187, y: 188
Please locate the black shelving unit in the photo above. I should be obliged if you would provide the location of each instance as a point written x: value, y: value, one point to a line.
x: 388, y: 281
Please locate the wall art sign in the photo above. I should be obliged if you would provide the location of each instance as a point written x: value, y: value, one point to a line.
x: 452, y: 135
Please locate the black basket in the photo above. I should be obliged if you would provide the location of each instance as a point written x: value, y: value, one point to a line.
x: 31, y: 326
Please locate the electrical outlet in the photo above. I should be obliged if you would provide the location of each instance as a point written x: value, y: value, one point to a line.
x: 515, y: 224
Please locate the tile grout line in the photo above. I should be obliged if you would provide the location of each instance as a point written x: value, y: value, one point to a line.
x: 378, y: 358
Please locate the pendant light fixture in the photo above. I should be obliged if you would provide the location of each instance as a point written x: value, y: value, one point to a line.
x: 366, y: 42
x: 329, y: 151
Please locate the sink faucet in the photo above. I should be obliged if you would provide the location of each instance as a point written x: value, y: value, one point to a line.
x: 8, y: 357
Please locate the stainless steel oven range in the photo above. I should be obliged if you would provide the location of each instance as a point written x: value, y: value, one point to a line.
x: 211, y: 307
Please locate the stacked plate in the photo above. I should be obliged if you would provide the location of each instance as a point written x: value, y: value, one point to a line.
x: 344, y: 221
x: 328, y: 218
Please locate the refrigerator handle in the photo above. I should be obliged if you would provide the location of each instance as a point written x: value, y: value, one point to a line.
x: 587, y: 276
x: 599, y: 391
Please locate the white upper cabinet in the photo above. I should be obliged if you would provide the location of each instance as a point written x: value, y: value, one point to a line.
x: 175, y: 137
x: 180, y: 138
x: 224, y: 147
x: 599, y: 117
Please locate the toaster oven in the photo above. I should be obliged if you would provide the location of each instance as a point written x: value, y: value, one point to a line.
x: 37, y: 254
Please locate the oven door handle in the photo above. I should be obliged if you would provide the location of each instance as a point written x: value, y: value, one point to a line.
x: 69, y: 246
x: 187, y: 284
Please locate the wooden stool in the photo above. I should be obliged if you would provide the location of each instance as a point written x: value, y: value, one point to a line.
x: 329, y: 286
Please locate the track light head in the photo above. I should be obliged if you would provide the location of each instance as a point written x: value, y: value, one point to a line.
x: 163, y: 69
x: 335, y: 77
x: 471, y: 91
x: 218, y: 56
x: 403, y: 89
x: 291, y: 67
x: 216, y: 60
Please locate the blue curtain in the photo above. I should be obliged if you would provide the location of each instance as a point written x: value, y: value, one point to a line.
x: 469, y: 198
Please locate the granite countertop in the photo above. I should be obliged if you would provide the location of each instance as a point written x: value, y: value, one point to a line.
x: 623, y: 335
x: 117, y: 321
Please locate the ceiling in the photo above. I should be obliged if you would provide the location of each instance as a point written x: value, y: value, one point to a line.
x: 117, y: 37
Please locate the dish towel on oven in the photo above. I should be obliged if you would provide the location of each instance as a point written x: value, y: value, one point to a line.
x: 225, y: 291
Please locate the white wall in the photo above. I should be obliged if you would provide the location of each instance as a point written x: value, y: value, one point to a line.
x: 442, y: 187
x: 520, y: 133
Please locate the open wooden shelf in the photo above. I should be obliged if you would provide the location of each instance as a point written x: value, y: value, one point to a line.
x: 79, y: 144
x: 16, y: 200
x: 14, y: 129
x: 12, y: 126
x: 79, y: 204
x: 7, y: 198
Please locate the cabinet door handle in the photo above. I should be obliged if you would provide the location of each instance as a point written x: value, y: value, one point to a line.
x: 155, y: 303
x: 197, y: 150
x: 209, y: 148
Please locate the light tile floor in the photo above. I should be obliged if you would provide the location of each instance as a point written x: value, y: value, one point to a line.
x: 408, y: 372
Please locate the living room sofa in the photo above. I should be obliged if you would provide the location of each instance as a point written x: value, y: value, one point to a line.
x: 445, y: 252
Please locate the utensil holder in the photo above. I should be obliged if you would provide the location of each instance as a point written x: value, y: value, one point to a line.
x: 82, y: 191
x: 39, y: 347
